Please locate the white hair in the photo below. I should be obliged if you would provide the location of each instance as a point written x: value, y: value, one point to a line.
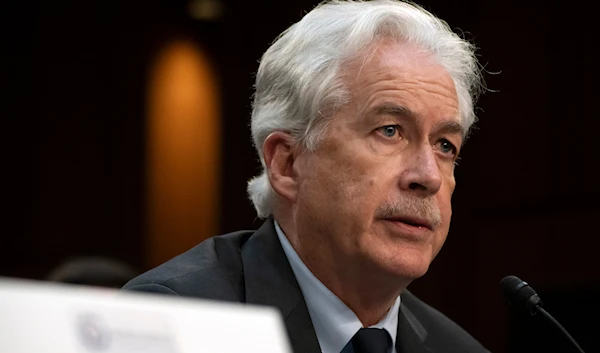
x: 299, y: 86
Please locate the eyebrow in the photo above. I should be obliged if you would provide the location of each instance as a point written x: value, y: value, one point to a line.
x: 450, y: 127
x: 394, y: 109
x: 447, y: 127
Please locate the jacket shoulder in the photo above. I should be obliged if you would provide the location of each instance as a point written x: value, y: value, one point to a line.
x: 443, y: 334
x: 212, y: 270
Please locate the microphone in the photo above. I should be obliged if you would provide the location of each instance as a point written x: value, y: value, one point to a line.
x: 523, y: 297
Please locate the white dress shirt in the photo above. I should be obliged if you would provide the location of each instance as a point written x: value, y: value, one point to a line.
x: 335, y: 324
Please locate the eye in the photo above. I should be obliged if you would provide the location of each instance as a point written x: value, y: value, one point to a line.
x: 389, y: 130
x: 447, y: 147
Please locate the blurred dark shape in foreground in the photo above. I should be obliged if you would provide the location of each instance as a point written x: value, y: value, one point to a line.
x: 93, y: 271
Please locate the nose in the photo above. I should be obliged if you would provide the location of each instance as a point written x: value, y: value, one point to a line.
x: 420, y: 171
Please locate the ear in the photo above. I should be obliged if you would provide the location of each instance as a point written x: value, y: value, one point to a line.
x: 279, y: 156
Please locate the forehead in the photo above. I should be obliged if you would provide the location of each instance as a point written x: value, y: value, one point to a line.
x: 402, y: 74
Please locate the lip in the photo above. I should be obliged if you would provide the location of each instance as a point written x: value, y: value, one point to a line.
x: 411, y: 227
x: 412, y: 222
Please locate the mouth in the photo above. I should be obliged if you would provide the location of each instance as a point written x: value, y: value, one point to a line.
x: 413, y: 222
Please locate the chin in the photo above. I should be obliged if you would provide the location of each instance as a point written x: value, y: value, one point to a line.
x: 405, y: 263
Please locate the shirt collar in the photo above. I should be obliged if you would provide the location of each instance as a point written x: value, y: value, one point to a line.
x: 335, y: 324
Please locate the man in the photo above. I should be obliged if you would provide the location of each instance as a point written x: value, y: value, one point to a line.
x: 360, y: 112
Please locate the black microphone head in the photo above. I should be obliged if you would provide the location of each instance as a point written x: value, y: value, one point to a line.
x: 520, y: 294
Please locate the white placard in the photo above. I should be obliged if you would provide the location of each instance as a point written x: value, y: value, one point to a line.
x: 40, y: 317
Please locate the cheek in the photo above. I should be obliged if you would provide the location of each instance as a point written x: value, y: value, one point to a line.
x: 444, y: 195
x: 343, y: 182
x: 445, y: 205
x: 441, y: 234
x: 451, y: 183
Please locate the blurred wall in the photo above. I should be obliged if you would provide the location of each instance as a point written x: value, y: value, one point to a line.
x: 525, y: 203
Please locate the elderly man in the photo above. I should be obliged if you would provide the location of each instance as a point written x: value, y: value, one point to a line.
x: 360, y: 112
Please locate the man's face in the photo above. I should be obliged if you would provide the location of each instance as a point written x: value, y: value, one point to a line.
x: 376, y: 191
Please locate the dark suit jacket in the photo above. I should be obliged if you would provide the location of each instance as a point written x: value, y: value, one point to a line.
x: 251, y: 267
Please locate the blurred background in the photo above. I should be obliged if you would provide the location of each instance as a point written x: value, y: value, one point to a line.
x: 127, y: 130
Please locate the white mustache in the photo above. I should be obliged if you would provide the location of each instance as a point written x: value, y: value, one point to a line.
x: 424, y: 208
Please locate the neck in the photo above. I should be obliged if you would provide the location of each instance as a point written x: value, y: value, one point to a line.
x: 363, y: 287
x: 368, y: 294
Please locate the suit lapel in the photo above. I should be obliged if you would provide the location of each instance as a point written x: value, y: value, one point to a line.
x: 269, y: 280
x: 411, y: 334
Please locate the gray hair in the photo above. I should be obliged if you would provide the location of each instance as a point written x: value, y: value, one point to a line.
x: 299, y: 86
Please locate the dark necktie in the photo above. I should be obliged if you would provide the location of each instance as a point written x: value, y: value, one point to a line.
x: 370, y: 340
